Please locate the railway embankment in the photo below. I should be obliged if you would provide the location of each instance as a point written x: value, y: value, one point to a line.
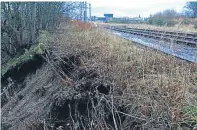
x: 91, y: 79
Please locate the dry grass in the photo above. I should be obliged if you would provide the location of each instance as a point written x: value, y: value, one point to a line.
x: 149, y: 89
x: 152, y: 86
x: 178, y: 27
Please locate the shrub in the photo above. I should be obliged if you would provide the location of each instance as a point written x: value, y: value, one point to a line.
x: 163, y: 18
x: 170, y: 23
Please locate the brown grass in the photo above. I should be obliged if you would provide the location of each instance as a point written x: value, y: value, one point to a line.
x: 151, y: 85
x: 190, y: 28
x: 177, y: 27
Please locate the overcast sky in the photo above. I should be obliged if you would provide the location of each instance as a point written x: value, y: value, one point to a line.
x: 132, y: 8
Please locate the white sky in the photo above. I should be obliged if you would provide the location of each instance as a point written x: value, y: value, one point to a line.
x: 129, y: 8
x: 132, y: 8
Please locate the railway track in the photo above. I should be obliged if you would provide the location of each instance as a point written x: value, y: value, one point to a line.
x: 169, y: 36
x: 186, y: 50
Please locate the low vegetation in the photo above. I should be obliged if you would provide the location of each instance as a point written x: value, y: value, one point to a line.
x: 148, y: 89
x: 180, y: 27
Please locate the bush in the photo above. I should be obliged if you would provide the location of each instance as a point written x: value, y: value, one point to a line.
x: 162, y: 22
x: 159, y: 22
x: 163, y: 18
x: 195, y: 25
x: 170, y: 23
x: 186, y: 22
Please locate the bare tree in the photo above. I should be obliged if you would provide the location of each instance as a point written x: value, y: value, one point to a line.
x: 73, y: 9
x: 164, y: 18
x: 22, y: 21
x: 192, y: 6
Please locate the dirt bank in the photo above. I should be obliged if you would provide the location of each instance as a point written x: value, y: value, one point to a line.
x: 95, y: 80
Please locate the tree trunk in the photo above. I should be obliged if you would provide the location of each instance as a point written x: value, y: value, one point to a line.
x: 33, y: 21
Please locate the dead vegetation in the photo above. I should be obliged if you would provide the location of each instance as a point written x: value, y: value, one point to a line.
x: 182, y: 25
x: 95, y: 80
x: 150, y: 86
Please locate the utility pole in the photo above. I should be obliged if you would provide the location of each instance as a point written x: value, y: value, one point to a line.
x: 85, y: 12
x: 81, y: 10
x: 90, y: 11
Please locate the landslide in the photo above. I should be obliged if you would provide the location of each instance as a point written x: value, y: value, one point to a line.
x: 90, y: 79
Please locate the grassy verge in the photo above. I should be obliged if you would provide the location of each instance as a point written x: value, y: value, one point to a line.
x: 181, y: 28
x: 151, y: 85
